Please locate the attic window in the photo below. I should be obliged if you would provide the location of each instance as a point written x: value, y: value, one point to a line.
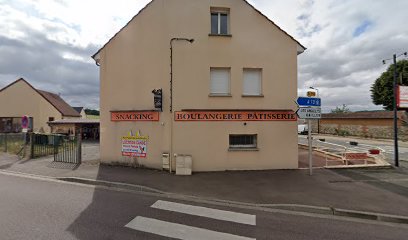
x: 219, y: 21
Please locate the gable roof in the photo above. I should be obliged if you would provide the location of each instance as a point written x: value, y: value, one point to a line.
x: 301, y: 48
x: 78, y: 109
x: 56, y: 101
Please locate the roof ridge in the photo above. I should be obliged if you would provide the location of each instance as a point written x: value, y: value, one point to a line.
x: 64, y: 108
x: 148, y: 4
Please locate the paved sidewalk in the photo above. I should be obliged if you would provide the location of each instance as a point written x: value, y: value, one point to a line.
x: 375, y: 190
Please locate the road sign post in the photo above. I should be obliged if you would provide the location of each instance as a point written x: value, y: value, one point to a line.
x: 310, y: 142
x: 309, y: 108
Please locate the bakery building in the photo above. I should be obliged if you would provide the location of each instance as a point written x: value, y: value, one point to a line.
x: 212, y: 80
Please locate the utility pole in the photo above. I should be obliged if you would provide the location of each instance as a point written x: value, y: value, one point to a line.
x: 394, y: 103
x: 396, y: 155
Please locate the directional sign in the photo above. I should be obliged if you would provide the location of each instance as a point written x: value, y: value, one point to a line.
x: 309, y: 113
x: 309, y: 102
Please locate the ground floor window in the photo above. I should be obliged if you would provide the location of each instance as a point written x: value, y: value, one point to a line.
x: 13, y: 124
x: 10, y: 125
x: 243, y: 141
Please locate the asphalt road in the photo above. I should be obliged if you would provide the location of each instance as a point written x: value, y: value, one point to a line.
x: 42, y: 209
x: 363, y: 144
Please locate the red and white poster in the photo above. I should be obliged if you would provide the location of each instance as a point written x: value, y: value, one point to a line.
x: 134, y: 146
x: 402, y: 97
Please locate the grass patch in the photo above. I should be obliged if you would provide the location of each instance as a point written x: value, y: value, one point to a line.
x: 92, y: 117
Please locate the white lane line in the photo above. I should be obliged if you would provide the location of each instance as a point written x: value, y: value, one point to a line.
x: 179, y: 231
x: 206, y: 212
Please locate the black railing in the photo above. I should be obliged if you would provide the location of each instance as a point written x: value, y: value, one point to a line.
x: 68, y: 150
x: 44, y: 144
x: 64, y: 148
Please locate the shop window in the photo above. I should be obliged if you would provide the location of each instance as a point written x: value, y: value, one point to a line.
x: 219, y: 21
x: 252, y: 83
x: 243, y: 141
x: 220, y: 82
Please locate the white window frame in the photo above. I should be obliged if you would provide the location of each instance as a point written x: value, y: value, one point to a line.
x: 225, y: 94
x: 260, y: 93
x: 220, y: 11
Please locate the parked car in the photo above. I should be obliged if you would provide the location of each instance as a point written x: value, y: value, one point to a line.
x: 302, y: 129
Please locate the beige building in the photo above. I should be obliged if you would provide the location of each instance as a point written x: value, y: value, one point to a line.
x: 21, y: 99
x: 228, y: 77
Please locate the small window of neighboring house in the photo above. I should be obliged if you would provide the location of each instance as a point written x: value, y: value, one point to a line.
x: 243, y: 141
x: 50, y: 119
x: 219, y: 21
x: 220, y: 82
x: 252, y: 83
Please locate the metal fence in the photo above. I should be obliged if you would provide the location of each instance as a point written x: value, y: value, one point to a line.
x: 65, y: 149
x: 68, y: 150
x: 44, y: 144
x: 13, y: 143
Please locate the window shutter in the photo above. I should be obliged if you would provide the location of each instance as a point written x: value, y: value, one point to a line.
x: 252, y: 82
x: 220, y: 81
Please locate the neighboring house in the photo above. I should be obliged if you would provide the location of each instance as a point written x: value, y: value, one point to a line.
x: 371, y: 124
x: 87, y: 128
x: 81, y: 111
x: 228, y: 81
x: 21, y: 98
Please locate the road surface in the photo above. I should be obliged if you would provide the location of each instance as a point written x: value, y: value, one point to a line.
x: 32, y: 208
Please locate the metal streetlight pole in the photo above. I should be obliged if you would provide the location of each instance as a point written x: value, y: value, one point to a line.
x: 171, y: 66
x: 396, y: 155
x: 171, y: 95
x: 394, y: 103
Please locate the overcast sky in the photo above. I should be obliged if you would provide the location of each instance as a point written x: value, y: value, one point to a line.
x: 49, y: 43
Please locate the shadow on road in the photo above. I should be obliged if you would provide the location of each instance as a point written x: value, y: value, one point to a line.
x: 386, y: 179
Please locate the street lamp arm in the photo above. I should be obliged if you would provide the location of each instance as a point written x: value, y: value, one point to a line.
x: 395, y: 86
x: 191, y: 40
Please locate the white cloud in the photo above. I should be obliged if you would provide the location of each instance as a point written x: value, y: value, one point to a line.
x: 346, y: 40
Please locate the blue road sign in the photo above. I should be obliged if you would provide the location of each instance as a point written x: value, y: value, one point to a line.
x: 309, y: 102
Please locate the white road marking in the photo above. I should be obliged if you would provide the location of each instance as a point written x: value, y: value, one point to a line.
x: 179, y: 231
x: 206, y: 212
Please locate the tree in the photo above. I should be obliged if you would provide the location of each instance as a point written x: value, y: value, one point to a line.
x: 382, y: 89
x: 343, y: 109
x: 91, y: 112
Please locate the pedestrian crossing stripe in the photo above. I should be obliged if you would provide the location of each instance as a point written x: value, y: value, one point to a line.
x: 180, y: 231
x: 206, y: 212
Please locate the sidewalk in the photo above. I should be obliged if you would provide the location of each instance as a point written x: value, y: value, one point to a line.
x: 373, y: 190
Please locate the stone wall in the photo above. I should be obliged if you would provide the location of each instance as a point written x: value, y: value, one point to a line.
x: 385, y: 131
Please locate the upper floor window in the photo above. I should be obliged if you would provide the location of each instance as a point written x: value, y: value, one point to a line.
x: 220, y: 82
x: 252, y: 85
x: 219, y: 21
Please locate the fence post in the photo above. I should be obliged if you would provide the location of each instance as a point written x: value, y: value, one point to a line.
x: 79, y: 149
x: 5, y: 142
x: 31, y: 145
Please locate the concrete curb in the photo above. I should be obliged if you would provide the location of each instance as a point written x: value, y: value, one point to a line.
x: 127, y: 186
x: 283, y: 208
x: 287, y: 207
